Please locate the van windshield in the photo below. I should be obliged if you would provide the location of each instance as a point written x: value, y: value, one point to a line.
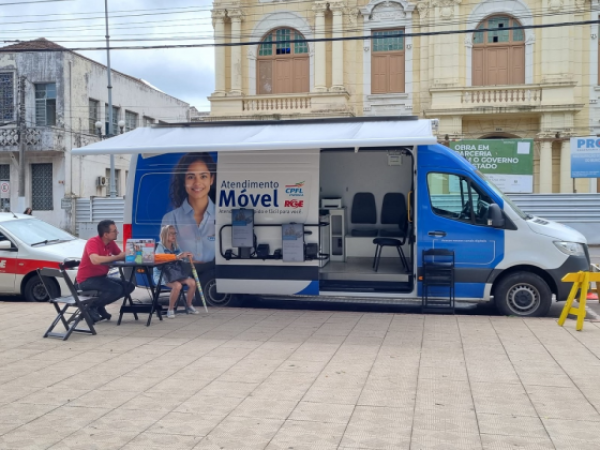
x: 494, y: 188
x: 33, y: 231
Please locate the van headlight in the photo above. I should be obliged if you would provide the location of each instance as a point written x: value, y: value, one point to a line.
x: 570, y: 248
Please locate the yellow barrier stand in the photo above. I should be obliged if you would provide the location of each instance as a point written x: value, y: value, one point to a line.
x: 581, y: 282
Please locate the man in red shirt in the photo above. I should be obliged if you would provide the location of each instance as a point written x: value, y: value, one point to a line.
x: 92, y: 273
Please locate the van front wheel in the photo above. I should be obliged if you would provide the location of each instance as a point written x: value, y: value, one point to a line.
x: 523, y: 294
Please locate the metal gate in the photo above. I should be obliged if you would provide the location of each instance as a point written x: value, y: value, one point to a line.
x: 90, y: 211
x: 579, y: 211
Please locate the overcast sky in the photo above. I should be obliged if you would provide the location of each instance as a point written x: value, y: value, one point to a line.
x: 187, y: 74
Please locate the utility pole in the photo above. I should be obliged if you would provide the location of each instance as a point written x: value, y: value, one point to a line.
x: 22, y: 126
x: 112, y: 185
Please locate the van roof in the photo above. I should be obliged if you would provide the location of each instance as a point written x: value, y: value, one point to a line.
x: 268, y: 135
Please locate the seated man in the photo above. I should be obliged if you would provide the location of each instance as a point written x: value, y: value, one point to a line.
x: 92, y: 274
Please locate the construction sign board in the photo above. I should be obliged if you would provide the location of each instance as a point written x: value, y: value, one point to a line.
x: 508, y: 163
x: 585, y: 157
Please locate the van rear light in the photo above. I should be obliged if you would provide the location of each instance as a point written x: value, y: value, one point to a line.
x: 126, y: 233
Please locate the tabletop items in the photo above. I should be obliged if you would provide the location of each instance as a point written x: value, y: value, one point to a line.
x: 140, y: 250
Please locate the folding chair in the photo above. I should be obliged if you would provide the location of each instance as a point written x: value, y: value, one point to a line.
x: 73, y: 309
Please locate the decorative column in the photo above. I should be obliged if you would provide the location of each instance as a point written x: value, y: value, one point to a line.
x: 446, y: 46
x: 424, y: 75
x: 545, y: 164
x: 556, y: 41
x: 566, y: 182
x: 219, y: 27
x: 319, y: 9
x: 337, y: 50
x: 236, y: 52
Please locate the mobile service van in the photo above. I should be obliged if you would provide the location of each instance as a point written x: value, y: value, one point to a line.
x: 338, y: 209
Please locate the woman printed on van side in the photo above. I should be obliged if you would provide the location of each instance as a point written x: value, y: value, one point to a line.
x: 168, y: 244
x: 194, y: 214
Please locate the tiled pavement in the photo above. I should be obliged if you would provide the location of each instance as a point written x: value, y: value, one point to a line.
x: 282, y: 380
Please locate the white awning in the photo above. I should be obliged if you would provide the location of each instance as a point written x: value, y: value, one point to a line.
x: 248, y: 136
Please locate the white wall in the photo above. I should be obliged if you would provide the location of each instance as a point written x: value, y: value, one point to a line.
x: 77, y: 80
x: 343, y: 174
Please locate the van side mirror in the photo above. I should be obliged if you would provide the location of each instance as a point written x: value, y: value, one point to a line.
x: 7, y: 246
x: 495, y: 216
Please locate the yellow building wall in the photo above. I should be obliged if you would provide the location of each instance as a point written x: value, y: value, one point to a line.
x: 560, y: 69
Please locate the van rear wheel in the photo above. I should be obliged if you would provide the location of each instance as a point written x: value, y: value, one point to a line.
x: 523, y: 294
x: 212, y: 297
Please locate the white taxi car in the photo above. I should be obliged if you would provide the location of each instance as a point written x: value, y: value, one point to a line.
x: 27, y: 244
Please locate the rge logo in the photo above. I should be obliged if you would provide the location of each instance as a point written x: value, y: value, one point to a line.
x: 293, y: 203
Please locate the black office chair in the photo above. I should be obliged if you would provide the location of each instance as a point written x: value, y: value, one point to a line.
x: 393, y: 212
x: 364, y: 211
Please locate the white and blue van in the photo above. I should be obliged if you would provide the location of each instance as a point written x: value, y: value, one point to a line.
x: 343, y: 209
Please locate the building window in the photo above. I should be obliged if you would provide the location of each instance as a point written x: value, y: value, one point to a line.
x: 148, y: 121
x: 45, y: 104
x: 115, y: 121
x: 498, y: 54
x: 117, y: 182
x: 387, y: 62
x: 7, y: 97
x: 5, y: 176
x: 131, y: 121
x: 283, y: 67
x: 41, y: 187
x: 94, y: 114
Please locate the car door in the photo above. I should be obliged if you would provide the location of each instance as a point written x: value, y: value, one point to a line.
x: 453, y: 213
x: 8, y: 265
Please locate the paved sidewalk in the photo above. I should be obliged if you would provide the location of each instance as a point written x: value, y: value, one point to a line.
x: 268, y: 379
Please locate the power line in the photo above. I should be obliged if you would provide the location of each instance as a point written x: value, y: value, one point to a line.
x: 129, y: 25
x: 324, y: 39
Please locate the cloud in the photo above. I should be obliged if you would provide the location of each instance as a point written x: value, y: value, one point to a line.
x: 187, y: 74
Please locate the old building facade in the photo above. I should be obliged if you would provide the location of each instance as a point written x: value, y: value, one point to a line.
x: 385, y: 57
x: 61, y: 95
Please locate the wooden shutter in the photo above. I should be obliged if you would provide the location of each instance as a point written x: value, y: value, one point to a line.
x: 517, y: 65
x: 282, y: 76
x: 396, y: 65
x: 379, y: 74
x: 478, y: 54
x: 497, y: 66
x: 265, y: 77
x: 300, y: 79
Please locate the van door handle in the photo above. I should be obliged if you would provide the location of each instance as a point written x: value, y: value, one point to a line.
x: 437, y: 233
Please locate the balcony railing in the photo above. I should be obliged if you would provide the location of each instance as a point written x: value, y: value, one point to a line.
x: 281, y: 105
x: 558, y: 96
x: 502, y: 96
x: 275, y: 104
x: 36, y: 138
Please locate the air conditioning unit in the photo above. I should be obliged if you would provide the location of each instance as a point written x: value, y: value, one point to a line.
x: 101, y: 181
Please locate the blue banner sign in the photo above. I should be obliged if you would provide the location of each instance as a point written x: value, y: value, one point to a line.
x: 585, y: 157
